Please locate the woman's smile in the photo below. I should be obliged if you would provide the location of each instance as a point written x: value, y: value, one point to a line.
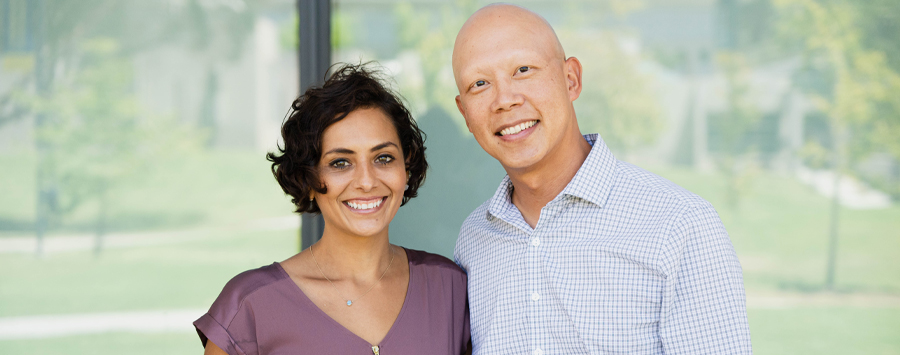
x: 365, y: 205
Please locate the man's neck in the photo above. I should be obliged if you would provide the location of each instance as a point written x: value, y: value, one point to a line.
x: 535, y: 187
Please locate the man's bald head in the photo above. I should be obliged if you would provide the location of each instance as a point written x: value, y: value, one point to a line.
x: 491, y: 19
x: 516, y: 88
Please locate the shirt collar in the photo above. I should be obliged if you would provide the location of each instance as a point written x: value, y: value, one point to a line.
x: 595, y: 177
x: 592, y: 182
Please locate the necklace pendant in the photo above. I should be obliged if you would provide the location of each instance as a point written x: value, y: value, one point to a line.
x: 349, y: 303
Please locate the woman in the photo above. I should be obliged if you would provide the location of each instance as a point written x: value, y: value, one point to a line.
x: 353, y: 153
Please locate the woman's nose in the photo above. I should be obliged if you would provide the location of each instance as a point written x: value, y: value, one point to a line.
x: 365, y: 177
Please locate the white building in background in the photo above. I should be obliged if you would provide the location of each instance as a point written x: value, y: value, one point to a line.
x: 252, y: 93
x: 251, y: 96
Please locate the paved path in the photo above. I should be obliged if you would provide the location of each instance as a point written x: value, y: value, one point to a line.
x: 48, y: 326
x: 789, y: 300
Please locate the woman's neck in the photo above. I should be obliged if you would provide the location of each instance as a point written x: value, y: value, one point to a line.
x: 355, y: 258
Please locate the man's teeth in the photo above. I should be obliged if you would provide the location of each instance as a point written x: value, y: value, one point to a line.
x: 365, y: 206
x: 518, y: 128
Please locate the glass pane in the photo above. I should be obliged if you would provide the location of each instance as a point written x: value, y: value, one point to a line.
x: 133, y: 179
x: 768, y: 109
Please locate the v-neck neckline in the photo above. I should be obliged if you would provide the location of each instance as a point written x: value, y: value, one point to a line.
x: 322, y: 313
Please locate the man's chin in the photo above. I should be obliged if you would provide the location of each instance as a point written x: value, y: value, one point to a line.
x: 517, y: 163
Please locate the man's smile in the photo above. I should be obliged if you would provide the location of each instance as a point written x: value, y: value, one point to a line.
x: 508, y: 131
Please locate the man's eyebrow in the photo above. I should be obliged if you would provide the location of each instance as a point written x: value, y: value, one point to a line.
x: 384, y: 145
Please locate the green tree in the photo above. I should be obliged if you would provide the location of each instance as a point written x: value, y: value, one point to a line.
x: 735, y: 156
x: 87, y: 130
x: 93, y: 134
x: 617, y: 100
x: 430, y: 35
x: 852, y: 84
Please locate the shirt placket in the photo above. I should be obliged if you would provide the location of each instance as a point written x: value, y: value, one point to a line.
x: 538, y: 307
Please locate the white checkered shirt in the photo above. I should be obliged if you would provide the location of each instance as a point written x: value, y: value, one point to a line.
x: 621, y: 262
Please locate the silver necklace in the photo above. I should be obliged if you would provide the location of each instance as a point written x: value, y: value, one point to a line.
x: 349, y: 301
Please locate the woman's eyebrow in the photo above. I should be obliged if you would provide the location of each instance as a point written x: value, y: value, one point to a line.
x: 384, y: 145
x: 340, y: 151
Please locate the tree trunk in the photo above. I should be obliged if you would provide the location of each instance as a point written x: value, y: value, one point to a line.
x: 833, y: 232
x: 100, y: 231
x: 43, y: 77
x: 839, y: 150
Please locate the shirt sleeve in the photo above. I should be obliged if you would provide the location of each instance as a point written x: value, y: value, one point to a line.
x: 230, y: 323
x: 704, y: 307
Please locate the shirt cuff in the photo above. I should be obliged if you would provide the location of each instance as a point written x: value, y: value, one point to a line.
x: 209, y: 329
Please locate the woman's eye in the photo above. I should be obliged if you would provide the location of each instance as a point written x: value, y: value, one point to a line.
x: 523, y: 69
x: 480, y: 83
x: 384, y: 159
x: 340, y: 164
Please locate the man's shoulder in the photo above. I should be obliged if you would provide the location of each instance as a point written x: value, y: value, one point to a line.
x: 633, y: 181
x: 478, y: 216
x: 475, y: 227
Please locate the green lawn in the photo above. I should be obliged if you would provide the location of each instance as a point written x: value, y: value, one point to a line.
x: 183, y: 275
x: 200, y: 188
x: 779, y: 232
x: 864, y: 331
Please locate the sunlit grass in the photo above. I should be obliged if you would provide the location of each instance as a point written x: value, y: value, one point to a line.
x: 200, y: 188
x: 863, y: 331
x: 175, y: 276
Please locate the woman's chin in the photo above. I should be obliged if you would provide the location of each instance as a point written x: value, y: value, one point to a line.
x: 367, y: 226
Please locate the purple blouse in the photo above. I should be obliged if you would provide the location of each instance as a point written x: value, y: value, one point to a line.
x: 262, y: 311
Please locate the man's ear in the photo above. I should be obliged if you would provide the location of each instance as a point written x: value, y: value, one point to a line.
x: 573, y: 77
x: 462, y: 111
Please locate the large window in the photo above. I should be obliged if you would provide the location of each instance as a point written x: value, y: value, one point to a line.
x: 781, y: 113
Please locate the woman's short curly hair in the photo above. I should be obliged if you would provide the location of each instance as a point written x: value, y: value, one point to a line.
x: 350, y: 87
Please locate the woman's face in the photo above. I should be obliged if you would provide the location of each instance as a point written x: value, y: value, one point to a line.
x: 364, y: 171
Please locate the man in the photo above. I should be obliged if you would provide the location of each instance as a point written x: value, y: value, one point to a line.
x: 577, y: 252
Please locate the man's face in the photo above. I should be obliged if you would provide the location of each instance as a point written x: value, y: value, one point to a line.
x: 515, y: 89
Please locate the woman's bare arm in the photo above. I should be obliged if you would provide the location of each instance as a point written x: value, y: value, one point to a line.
x: 213, y: 349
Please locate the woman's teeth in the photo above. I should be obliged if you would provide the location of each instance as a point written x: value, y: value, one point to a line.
x: 365, y: 206
x: 518, y: 128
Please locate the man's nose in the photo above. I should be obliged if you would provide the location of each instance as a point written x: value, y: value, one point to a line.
x: 507, y: 96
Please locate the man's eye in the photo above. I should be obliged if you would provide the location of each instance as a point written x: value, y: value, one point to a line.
x: 384, y: 159
x: 523, y: 69
x: 340, y: 164
x: 480, y: 83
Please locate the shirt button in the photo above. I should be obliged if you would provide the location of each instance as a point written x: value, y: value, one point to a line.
x: 535, y: 241
x: 538, y: 352
x: 534, y: 297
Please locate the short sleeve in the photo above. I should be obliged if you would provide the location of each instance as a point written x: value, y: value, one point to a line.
x: 230, y: 321
x: 209, y: 329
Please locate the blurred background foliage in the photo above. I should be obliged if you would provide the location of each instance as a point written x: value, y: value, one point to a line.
x: 132, y: 138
